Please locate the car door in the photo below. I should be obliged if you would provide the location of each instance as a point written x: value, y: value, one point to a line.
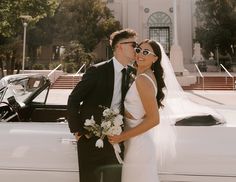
x: 37, y: 152
x: 37, y: 109
x: 203, y: 153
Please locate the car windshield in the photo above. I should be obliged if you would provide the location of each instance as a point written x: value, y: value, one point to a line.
x: 21, y: 88
x: 2, y: 91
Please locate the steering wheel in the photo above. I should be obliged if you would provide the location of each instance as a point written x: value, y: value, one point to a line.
x: 6, y: 116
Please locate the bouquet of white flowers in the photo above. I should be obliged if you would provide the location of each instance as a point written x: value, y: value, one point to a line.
x: 111, y: 124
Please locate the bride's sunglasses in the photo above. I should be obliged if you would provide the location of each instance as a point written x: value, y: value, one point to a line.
x: 144, y: 52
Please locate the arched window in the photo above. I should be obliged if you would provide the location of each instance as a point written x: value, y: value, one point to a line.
x: 160, y: 29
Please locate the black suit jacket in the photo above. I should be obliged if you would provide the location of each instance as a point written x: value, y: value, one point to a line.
x: 94, y: 90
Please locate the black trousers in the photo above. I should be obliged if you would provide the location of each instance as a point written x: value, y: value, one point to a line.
x: 92, y: 161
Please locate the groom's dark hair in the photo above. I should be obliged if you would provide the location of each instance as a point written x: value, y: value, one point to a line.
x: 120, y: 35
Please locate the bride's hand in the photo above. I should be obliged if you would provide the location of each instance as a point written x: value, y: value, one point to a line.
x: 115, y: 139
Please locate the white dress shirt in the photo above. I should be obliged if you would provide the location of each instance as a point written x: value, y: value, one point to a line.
x: 116, y: 99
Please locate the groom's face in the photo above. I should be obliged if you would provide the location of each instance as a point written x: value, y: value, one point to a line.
x: 127, y: 49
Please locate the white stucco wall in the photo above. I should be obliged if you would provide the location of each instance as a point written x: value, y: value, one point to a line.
x: 131, y: 15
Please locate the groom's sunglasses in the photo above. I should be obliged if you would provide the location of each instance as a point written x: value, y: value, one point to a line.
x: 144, y: 52
x: 133, y: 44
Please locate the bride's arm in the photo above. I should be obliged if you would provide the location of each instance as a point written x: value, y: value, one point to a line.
x: 147, y: 94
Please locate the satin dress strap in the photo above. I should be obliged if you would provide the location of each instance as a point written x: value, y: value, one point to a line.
x: 153, y: 83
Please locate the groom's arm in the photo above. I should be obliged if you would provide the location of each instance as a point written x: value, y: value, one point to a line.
x: 78, y: 95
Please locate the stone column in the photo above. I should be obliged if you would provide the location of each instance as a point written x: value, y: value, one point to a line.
x: 176, y: 53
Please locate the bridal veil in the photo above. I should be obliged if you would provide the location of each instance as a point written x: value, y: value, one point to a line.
x: 177, y: 106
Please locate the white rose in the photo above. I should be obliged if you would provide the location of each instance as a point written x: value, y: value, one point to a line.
x: 114, y: 130
x: 89, y: 122
x: 106, y: 124
x: 118, y: 120
x: 106, y: 112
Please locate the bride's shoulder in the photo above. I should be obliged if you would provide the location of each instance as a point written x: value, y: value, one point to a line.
x: 145, y: 77
x: 145, y: 82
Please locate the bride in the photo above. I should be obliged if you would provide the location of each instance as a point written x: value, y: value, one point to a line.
x: 148, y: 104
x: 141, y: 114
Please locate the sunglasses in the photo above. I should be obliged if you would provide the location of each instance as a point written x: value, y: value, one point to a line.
x: 133, y: 44
x: 144, y: 52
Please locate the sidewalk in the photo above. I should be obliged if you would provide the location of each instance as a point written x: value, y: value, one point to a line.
x: 219, y: 98
x: 207, y: 97
x: 222, y: 73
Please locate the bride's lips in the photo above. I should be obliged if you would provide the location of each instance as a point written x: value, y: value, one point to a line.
x: 139, y: 59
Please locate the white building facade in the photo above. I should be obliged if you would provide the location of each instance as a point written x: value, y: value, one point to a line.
x: 154, y: 19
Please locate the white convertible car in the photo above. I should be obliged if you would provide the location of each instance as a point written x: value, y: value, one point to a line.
x: 36, y: 145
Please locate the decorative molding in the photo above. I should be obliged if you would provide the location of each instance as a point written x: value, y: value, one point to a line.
x: 159, y: 18
x: 146, y: 10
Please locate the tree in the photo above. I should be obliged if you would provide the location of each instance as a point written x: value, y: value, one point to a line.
x: 76, y: 56
x: 11, y: 26
x: 85, y: 21
x: 217, y: 24
x: 39, y: 35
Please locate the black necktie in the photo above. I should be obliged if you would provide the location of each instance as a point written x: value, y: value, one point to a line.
x: 123, y: 89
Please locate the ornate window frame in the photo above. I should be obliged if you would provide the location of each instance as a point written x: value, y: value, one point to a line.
x: 160, y: 20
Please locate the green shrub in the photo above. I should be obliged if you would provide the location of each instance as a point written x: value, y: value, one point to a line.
x: 53, y: 65
x: 38, y: 66
x: 70, y: 67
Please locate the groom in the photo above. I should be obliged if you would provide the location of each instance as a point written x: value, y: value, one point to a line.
x: 100, y: 86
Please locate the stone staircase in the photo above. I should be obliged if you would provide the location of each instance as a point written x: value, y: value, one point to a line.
x: 212, y: 83
x: 66, y: 82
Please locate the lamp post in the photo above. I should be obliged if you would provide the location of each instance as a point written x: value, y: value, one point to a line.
x: 24, y: 42
x: 25, y: 19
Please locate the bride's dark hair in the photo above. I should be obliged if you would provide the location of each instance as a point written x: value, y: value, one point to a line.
x: 157, y: 70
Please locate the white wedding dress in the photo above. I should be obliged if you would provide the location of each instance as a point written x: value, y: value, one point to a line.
x: 140, y: 162
x: 143, y: 152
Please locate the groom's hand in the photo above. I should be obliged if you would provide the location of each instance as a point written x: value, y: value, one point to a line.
x: 77, y: 136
